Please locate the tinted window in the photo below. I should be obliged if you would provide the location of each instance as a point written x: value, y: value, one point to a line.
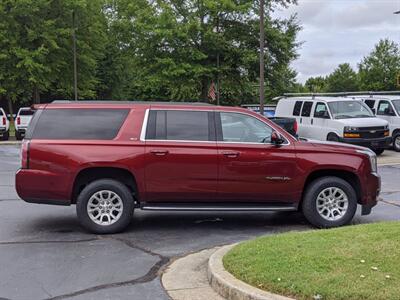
x: 306, y: 109
x: 297, y: 108
x: 370, y: 103
x: 79, y: 124
x: 385, y: 108
x: 244, y: 129
x: 26, y: 112
x: 180, y: 125
x: 321, y: 111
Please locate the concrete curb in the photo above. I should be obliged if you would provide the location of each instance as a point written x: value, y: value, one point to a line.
x: 10, y: 143
x: 230, y: 287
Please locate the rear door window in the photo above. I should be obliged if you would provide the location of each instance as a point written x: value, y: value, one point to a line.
x: 180, y: 125
x: 306, y: 111
x: 297, y: 108
x: 79, y: 124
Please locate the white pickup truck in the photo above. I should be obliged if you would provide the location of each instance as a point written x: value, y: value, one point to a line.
x: 24, y: 116
x: 4, y: 126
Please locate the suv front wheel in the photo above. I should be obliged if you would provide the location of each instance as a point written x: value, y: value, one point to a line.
x: 329, y: 202
x: 105, y: 206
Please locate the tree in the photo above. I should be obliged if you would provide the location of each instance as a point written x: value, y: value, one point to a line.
x: 316, y: 84
x: 173, y: 47
x: 342, y: 79
x: 36, y: 48
x: 378, y: 70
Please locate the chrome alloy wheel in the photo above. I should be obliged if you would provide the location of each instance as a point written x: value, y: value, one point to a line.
x: 105, y: 207
x: 332, y: 203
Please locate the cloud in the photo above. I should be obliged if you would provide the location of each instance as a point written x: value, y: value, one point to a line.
x: 339, y: 31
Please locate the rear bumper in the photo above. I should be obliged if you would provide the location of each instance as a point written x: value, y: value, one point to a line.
x: 21, y: 129
x: 378, y: 143
x: 371, y: 193
x: 35, y: 186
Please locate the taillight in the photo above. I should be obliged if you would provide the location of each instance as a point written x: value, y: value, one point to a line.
x: 19, y: 121
x: 25, y: 154
x: 295, y: 127
x: 4, y: 121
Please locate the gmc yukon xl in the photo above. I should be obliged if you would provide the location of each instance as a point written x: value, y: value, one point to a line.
x: 110, y: 158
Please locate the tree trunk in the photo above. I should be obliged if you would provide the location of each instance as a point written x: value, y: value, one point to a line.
x: 36, y: 95
x: 204, y: 90
x: 10, y: 109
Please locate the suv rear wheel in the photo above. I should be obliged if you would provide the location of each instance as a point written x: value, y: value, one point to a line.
x: 329, y: 202
x: 105, y: 206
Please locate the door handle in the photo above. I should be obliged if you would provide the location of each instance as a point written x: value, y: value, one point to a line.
x: 312, y: 121
x: 159, y: 152
x: 231, y: 154
x: 301, y: 120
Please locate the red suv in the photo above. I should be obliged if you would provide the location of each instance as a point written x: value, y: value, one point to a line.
x: 110, y: 158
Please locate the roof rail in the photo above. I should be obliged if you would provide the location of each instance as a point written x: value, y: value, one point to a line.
x: 342, y: 94
x: 126, y: 102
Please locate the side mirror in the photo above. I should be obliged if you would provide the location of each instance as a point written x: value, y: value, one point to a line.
x: 325, y: 114
x: 276, y: 139
x: 373, y: 111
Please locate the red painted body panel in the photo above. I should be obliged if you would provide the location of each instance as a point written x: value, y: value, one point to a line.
x: 168, y: 171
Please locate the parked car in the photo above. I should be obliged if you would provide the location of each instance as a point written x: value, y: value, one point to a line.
x: 110, y: 158
x: 336, y: 119
x: 22, y: 120
x: 386, y: 107
x: 289, y: 124
x: 4, y: 126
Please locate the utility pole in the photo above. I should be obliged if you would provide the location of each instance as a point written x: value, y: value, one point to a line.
x: 218, y: 64
x: 262, y: 62
x: 74, y: 51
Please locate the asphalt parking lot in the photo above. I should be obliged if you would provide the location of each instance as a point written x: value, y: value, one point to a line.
x: 46, y: 255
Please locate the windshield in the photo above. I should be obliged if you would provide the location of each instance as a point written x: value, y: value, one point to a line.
x: 349, y: 109
x: 396, y: 104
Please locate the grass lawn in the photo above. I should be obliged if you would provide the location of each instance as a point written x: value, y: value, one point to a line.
x: 353, y: 262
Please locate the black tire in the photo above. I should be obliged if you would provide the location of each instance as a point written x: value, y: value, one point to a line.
x: 378, y: 151
x: 309, y: 205
x: 332, y: 138
x: 18, y: 136
x: 6, y: 136
x: 114, y: 186
x: 396, y: 146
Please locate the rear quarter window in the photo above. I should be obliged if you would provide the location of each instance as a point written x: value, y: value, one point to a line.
x: 79, y: 124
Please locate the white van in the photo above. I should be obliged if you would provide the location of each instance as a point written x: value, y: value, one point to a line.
x: 4, y: 126
x: 386, y: 107
x: 336, y: 119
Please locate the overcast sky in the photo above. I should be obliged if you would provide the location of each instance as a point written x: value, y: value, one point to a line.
x: 339, y: 31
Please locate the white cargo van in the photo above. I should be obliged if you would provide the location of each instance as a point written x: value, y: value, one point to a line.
x: 336, y: 119
x: 386, y: 107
